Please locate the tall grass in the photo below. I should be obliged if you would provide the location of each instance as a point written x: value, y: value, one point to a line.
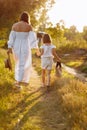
x: 69, y: 46
x: 64, y: 107
x: 71, y: 95
x: 77, y: 54
x: 74, y: 96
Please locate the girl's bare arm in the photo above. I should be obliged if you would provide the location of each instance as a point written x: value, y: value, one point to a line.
x: 42, y: 51
x: 55, y: 54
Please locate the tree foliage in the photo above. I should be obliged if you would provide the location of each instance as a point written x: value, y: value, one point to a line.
x: 70, y: 33
x: 11, y: 9
x: 85, y: 32
x: 57, y: 32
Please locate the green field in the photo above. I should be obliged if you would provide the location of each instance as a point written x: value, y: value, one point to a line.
x: 63, y: 107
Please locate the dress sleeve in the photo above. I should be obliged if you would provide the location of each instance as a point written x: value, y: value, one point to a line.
x: 53, y: 46
x: 11, y: 39
x: 33, y: 39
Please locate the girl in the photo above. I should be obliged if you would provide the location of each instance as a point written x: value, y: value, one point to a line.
x: 48, y: 52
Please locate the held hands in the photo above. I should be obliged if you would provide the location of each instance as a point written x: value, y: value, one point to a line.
x: 38, y: 52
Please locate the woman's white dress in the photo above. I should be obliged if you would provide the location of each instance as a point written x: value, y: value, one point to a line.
x: 21, y: 44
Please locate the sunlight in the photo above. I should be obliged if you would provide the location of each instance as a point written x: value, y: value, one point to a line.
x: 71, y: 11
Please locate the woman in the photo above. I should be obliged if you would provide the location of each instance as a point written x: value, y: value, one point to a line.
x: 21, y: 40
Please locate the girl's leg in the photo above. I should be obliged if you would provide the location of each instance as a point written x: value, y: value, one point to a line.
x: 43, y: 77
x: 48, y: 77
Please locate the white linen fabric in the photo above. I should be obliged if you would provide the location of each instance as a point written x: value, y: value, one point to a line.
x: 47, y: 50
x: 46, y: 63
x: 47, y: 57
x: 21, y: 44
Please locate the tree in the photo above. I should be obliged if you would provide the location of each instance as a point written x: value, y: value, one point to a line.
x: 11, y: 9
x: 70, y: 33
x: 57, y: 32
x: 85, y: 33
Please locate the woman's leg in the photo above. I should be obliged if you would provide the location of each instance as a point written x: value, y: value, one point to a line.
x: 43, y: 77
x: 16, y: 82
x: 17, y: 86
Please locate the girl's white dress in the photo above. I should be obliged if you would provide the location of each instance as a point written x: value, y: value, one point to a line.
x: 47, y: 57
x: 21, y: 44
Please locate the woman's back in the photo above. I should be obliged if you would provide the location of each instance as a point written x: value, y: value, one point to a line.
x: 47, y: 50
x: 21, y: 27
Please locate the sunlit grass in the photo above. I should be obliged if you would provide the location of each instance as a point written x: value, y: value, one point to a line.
x: 73, y: 54
x: 74, y: 63
x: 74, y: 103
x: 64, y: 106
x: 71, y: 95
x: 71, y: 46
x: 3, y: 42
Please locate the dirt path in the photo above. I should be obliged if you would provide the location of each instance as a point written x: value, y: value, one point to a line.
x: 43, y: 115
x: 42, y: 110
x: 35, y: 80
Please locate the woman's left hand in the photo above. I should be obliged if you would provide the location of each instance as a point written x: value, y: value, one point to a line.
x: 38, y: 52
x: 9, y: 51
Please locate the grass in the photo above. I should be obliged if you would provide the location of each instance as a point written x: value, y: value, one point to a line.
x: 74, y: 104
x: 75, y: 58
x: 73, y: 54
x: 63, y: 107
x: 71, y: 95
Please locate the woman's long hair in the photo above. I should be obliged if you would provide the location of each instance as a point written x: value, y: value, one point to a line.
x: 25, y: 17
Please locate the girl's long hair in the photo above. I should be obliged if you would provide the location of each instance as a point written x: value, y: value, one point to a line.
x: 46, y: 38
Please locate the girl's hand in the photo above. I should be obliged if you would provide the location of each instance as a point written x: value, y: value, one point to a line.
x: 59, y: 60
x: 38, y: 52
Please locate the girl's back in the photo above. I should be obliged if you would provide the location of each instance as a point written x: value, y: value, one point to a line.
x: 47, y: 50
